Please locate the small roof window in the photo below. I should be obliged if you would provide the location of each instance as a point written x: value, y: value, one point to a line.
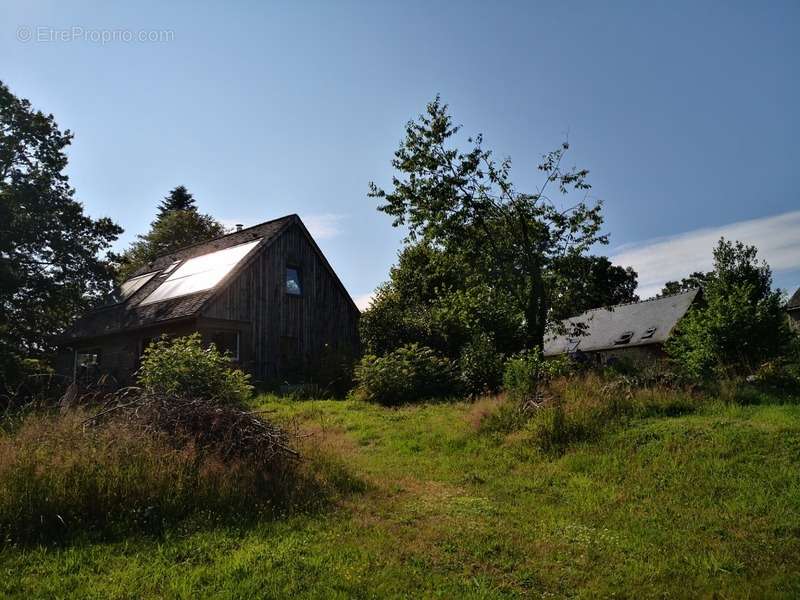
x: 649, y: 333
x: 130, y: 287
x: 624, y: 338
x: 170, y: 269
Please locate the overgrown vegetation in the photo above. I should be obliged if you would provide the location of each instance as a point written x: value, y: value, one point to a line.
x: 740, y: 323
x: 526, y: 373
x: 680, y: 502
x: 182, y: 447
x: 183, y: 366
x: 580, y: 408
x: 410, y: 373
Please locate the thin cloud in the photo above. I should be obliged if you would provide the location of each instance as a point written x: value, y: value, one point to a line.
x: 364, y: 300
x: 324, y: 226
x: 660, y: 260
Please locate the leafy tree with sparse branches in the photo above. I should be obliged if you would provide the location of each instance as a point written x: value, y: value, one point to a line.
x: 51, y: 263
x: 465, y: 204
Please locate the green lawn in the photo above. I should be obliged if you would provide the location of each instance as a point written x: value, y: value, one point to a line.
x: 703, y: 504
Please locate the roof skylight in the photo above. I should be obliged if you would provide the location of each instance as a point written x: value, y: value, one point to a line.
x: 649, y: 333
x: 624, y: 338
x: 200, y: 273
x: 170, y: 268
x: 130, y: 287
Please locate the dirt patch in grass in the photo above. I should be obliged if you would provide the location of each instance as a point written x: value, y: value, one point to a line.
x: 483, y: 407
x: 329, y: 438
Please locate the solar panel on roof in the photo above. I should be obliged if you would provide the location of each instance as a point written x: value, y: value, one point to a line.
x: 130, y: 287
x: 170, y: 268
x: 200, y: 273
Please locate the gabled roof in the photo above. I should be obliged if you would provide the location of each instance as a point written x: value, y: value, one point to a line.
x: 129, y: 314
x: 642, y: 323
x: 794, y: 301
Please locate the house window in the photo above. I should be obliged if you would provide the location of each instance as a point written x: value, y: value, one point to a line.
x: 572, y: 344
x: 293, y: 286
x: 227, y: 341
x: 88, y: 358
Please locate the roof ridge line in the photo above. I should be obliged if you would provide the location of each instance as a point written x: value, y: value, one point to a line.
x: 182, y: 248
x: 612, y: 306
x: 694, y: 289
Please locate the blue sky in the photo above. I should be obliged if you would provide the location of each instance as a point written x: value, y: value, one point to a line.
x: 685, y: 113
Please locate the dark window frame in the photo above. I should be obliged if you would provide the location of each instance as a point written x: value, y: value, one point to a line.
x: 298, y: 277
x: 236, y: 355
x: 93, y: 352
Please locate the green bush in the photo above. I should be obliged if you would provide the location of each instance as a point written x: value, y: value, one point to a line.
x: 408, y: 374
x: 183, y: 366
x: 526, y: 371
x: 480, y: 366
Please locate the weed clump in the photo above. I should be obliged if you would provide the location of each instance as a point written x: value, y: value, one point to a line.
x: 580, y: 408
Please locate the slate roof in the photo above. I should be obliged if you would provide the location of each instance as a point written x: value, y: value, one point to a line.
x: 605, y: 325
x: 127, y: 314
x: 794, y: 301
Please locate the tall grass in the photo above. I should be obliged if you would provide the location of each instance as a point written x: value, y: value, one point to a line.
x: 581, y: 408
x: 59, y: 479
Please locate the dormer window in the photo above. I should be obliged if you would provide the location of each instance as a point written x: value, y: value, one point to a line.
x: 624, y: 338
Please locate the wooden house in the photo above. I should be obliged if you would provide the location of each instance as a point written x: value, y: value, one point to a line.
x: 266, y: 294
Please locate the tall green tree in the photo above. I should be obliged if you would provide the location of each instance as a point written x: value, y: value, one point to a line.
x: 465, y: 203
x: 178, y: 199
x: 434, y: 298
x: 51, y: 266
x: 578, y: 283
x: 177, y: 224
x: 698, y: 279
x: 740, y: 323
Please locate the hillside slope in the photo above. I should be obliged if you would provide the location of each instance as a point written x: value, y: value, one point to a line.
x: 681, y: 506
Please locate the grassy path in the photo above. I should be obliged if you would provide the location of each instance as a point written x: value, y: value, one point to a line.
x: 671, y: 507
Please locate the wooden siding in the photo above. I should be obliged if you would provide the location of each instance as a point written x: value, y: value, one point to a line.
x: 289, y: 336
x: 119, y: 353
